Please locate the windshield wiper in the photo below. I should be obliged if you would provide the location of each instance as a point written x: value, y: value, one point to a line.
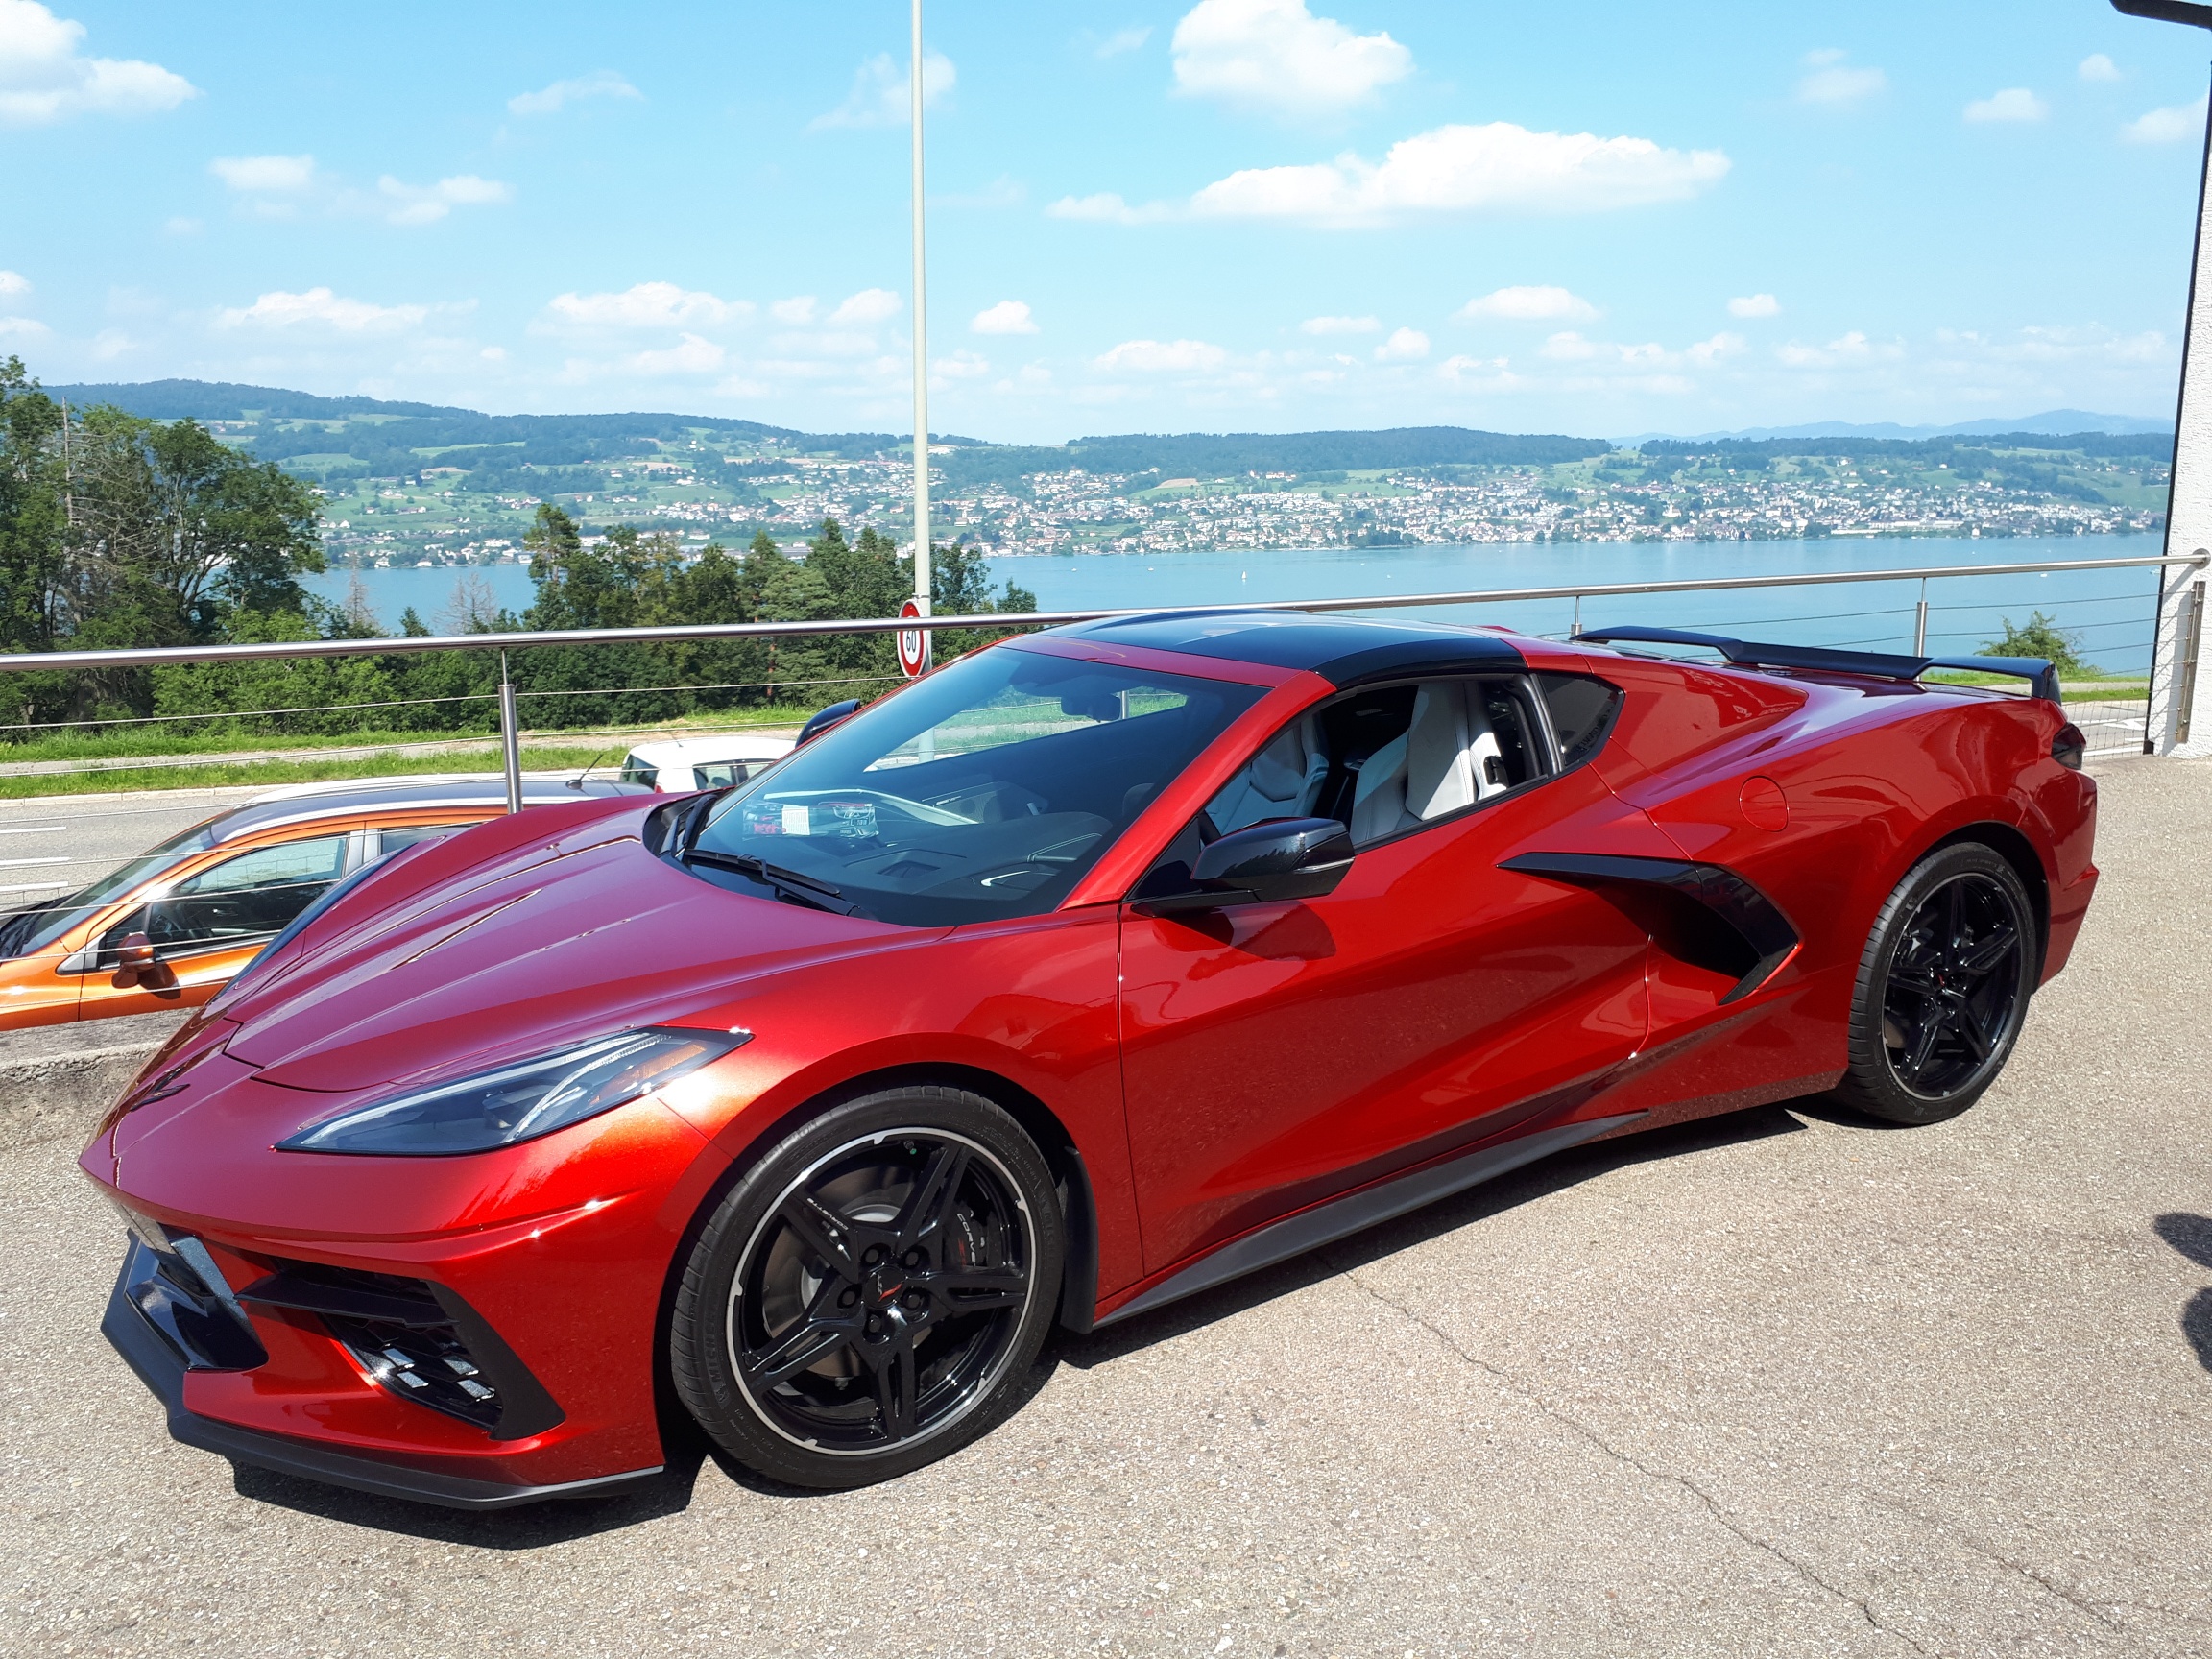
x: 803, y: 889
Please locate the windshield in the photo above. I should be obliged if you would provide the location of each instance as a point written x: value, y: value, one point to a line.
x: 985, y: 790
x: 26, y: 932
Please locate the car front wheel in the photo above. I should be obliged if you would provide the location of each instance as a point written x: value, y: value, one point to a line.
x: 1943, y: 988
x: 871, y: 1295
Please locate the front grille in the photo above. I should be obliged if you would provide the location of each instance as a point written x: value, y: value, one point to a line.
x: 417, y: 1340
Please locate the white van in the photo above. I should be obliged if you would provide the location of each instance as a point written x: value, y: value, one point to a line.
x: 682, y: 764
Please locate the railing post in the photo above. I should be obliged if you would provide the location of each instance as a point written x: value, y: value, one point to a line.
x: 510, y: 737
x: 1920, y: 621
x: 1576, y: 631
x: 2192, y: 636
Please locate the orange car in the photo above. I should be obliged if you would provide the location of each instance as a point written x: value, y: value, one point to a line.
x: 171, y: 927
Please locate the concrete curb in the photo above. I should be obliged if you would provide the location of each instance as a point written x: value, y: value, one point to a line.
x: 49, y: 1096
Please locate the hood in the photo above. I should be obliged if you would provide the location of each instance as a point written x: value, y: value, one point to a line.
x: 463, y: 962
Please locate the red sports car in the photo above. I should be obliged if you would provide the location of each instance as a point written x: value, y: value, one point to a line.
x: 1092, y: 970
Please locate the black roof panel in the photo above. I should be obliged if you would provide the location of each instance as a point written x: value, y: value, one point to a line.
x: 1345, y: 650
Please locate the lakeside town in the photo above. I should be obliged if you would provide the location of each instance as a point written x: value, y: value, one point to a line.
x: 435, y: 519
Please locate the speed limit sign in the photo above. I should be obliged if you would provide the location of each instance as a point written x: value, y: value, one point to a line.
x: 913, y: 643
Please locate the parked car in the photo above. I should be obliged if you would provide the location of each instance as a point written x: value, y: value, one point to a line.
x: 681, y: 765
x: 203, y: 902
x: 1087, y: 972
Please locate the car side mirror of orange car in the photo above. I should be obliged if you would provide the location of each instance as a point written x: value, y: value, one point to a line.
x: 138, y: 967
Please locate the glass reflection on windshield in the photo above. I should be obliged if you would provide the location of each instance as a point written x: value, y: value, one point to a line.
x: 984, y: 790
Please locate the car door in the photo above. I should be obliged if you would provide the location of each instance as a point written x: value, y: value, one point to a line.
x: 211, y: 922
x: 1277, y: 1054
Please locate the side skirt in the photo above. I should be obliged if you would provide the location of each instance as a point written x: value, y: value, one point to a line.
x: 1370, y: 1206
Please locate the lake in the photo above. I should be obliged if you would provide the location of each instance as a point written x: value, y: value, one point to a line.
x: 2110, y: 611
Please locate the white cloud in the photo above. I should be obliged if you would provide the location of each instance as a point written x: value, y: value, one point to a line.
x: 1275, y: 57
x: 1405, y: 345
x: 1722, y: 344
x: 1469, y: 169
x: 43, y: 79
x: 13, y: 282
x: 271, y: 175
x: 275, y: 186
x: 1835, y: 83
x: 1123, y: 41
x: 427, y: 204
x: 2014, y: 103
x: 2168, y: 126
x: 1341, y: 326
x: 1163, y: 357
x: 798, y: 311
x: 111, y: 344
x: 552, y: 100
x: 648, y: 305
x: 1108, y: 208
x: 28, y: 326
x: 2098, y: 67
x: 1754, y: 305
x: 1527, y: 305
x: 882, y: 92
x: 1007, y: 316
x: 870, y: 305
x: 320, y: 308
x: 1846, y: 348
x: 693, y: 355
x: 961, y: 365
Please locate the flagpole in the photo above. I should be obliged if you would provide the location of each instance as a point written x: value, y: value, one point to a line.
x: 921, y: 359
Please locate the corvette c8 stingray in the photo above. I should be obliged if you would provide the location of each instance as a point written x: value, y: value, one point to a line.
x: 1092, y: 970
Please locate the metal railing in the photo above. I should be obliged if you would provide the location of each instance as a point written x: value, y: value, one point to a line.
x: 2182, y: 605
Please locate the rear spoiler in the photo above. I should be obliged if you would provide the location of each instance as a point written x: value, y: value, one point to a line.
x: 2040, y: 673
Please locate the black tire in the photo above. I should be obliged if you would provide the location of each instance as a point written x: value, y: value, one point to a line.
x: 872, y: 1294
x: 1942, y: 989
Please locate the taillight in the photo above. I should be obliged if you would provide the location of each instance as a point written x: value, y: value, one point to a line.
x: 2069, y: 746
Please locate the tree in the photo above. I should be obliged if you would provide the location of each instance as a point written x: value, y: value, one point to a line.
x: 2040, y: 635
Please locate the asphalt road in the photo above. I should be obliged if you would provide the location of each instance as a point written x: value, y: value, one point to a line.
x: 1784, y: 1383
x: 53, y: 846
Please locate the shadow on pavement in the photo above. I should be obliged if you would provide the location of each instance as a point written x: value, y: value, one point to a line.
x: 540, y: 1525
x: 1538, y: 1180
x: 2192, y: 1236
x: 532, y: 1527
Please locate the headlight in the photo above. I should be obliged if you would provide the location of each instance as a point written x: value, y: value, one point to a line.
x: 521, y: 1101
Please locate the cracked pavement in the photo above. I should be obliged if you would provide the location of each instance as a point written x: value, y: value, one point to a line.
x: 1782, y: 1383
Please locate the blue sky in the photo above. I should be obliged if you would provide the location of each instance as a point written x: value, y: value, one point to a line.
x: 1235, y: 214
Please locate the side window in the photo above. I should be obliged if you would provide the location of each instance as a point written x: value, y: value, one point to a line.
x: 1581, y: 712
x: 238, y: 901
x: 718, y: 774
x: 1381, y: 761
x: 636, y: 771
x: 396, y: 840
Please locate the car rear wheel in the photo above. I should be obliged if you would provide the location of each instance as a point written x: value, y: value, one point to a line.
x: 872, y: 1294
x: 1942, y: 989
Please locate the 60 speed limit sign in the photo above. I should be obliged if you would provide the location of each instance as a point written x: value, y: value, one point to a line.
x: 913, y: 643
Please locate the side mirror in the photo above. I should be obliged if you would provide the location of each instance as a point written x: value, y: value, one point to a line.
x: 1278, y: 860
x: 822, y: 720
x: 139, y: 968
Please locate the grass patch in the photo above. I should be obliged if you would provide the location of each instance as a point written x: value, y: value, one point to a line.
x: 131, y: 742
x: 267, y: 774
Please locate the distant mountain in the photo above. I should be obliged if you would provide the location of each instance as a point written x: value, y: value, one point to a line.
x: 2050, y: 424
x: 400, y: 438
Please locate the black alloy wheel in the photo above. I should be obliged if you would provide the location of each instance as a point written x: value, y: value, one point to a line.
x: 1943, y: 987
x: 871, y: 1294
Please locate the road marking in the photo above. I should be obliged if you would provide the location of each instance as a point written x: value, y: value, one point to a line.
x: 34, y: 830
x: 19, y: 863
x: 36, y: 887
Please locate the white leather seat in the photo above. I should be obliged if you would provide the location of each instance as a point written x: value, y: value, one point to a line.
x: 1438, y: 765
x: 1283, y: 780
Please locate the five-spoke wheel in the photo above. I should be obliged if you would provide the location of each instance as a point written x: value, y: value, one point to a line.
x: 865, y: 1298
x: 1943, y: 988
